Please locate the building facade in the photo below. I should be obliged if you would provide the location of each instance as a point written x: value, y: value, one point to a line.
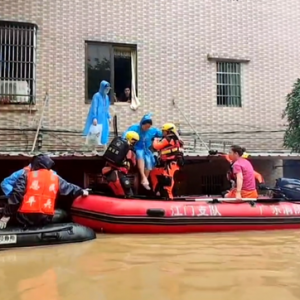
x: 227, y: 64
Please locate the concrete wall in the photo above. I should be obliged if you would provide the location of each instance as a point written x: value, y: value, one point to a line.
x: 270, y: 169
x: 173, y: 39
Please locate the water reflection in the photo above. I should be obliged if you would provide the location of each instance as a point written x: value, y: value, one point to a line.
x: 211, y: 266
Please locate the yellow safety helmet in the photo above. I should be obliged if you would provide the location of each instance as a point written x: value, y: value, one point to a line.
x: 132, y: 137
x: 245, y: 155
x: 169, y: 127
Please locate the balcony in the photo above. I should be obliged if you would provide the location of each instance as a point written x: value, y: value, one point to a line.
x: 19, y: 141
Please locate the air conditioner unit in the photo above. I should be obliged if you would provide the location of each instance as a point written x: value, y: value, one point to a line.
x: 15, y: 91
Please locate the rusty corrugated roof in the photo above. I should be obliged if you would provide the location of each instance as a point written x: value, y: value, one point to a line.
x: 89, y: 154
x: 51, y: 154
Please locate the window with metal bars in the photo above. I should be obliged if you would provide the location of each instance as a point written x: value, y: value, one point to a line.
x: 229, y: 84
x: 17, y: 62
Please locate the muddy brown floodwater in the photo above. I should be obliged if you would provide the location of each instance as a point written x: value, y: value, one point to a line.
x: 252, y: 265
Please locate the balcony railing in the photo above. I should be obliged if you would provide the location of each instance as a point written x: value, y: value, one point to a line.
x: 71, y: 141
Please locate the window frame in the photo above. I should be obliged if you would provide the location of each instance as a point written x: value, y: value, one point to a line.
x: 227, y: 62
x: 111, y: 46
x: 29, y: 27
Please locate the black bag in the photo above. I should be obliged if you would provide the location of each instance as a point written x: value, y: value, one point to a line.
x: 116, y: 151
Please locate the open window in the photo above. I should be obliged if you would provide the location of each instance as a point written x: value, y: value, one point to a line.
x: 115, y: 63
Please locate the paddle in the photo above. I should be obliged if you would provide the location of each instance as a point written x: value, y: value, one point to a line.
x: 281, y: 195
x: 232, y: 200
x: 262, y: 187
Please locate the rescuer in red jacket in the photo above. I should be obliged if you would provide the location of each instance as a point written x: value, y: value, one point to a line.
x: 33, y: 198
x: 170, y: 149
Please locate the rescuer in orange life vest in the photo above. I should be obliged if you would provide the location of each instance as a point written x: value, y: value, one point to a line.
x: 33, y: 198
x: 8, y: 183
x: 170, y: 149
x: 120, y: 158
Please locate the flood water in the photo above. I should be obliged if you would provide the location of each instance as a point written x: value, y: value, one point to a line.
x: 240, y: 266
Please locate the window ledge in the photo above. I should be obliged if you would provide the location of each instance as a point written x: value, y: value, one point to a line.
x: 121, y: 104
x: 11, y: 107
x: 228, y: 106
x: 227, y: 58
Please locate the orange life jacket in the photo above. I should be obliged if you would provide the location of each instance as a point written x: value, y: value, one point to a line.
x: 172, y: 150
x: 41, y: 191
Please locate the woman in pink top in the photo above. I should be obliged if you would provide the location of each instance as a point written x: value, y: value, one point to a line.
x: 244, y: 175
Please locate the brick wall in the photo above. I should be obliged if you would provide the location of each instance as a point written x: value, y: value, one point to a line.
x: 173, y: 39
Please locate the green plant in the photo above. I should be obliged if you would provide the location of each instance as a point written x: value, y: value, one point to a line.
x: 291, y: 138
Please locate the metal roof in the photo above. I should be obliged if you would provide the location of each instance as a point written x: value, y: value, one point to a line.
x: 188, y: 155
